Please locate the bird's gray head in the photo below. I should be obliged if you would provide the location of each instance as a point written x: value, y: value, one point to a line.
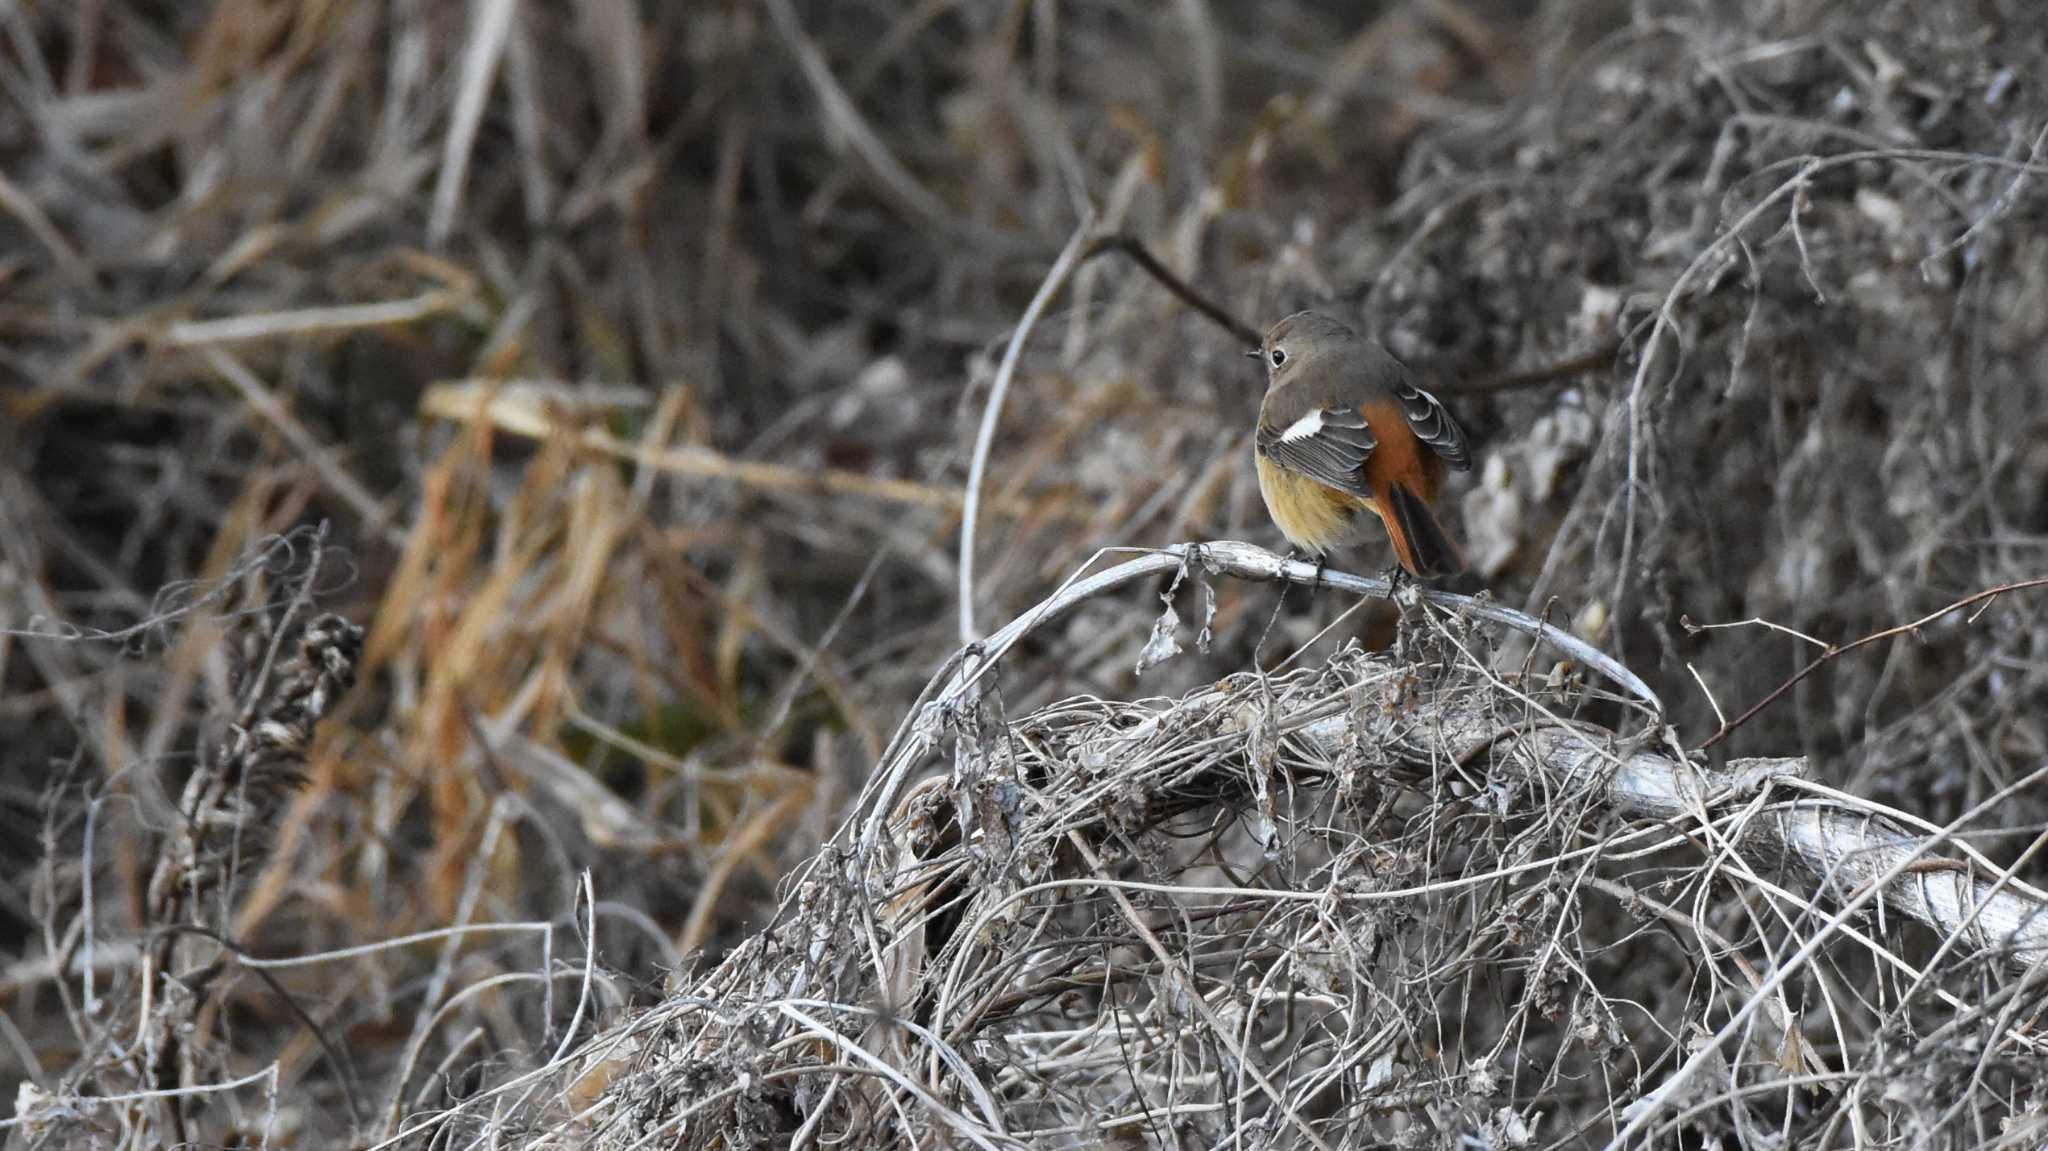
x: 1298, y: 339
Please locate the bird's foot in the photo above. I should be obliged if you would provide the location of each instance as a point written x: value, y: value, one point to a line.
x: 1299, y: 556
x: 1296, y: 555
x: 1403, y: 586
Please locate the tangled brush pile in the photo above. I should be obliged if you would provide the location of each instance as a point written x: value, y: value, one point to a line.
x: 1405, y: 898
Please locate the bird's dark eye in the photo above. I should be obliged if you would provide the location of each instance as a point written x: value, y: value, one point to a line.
x: 1279, y: 357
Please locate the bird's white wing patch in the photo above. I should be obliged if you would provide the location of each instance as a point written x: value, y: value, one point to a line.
x: 1328, y: 445
x: 1303, y: 428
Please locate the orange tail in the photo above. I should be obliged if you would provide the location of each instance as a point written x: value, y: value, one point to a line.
x: 1420, y: 543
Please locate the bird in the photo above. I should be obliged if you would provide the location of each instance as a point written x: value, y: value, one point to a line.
x: 1344, y: 431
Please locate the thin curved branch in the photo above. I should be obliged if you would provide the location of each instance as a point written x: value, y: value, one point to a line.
x: 1727, y: 729
x: 984, y: 439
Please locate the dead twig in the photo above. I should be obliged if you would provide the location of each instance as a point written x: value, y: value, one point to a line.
x: 1593, y: 361
x: 1833, y: 653
x: 1142, y: 256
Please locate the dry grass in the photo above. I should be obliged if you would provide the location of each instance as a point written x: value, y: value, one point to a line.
x: 635, y: 359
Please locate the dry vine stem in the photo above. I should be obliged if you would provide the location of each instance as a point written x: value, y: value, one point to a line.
x: 1083, y: 246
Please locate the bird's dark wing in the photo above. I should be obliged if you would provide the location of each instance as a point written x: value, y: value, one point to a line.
x: 1327, y: 444
x: 1433, y: 423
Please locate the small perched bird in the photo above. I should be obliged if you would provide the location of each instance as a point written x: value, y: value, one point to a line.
x: 1344, y: 431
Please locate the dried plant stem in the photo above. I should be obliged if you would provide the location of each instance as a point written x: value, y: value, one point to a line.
x: 1593, y: 361
x: 318, y: 458
x: 1142, y: 256
x: 522, y: 413
x: 2027, y: 938
x: 1729, y: 728
x: 1187, y: 987
x: 850, y: 129
x: 1081, y: 247
x: 1070, y: 258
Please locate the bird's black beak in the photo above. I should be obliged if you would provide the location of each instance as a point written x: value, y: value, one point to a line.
x: 1254, y: 353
